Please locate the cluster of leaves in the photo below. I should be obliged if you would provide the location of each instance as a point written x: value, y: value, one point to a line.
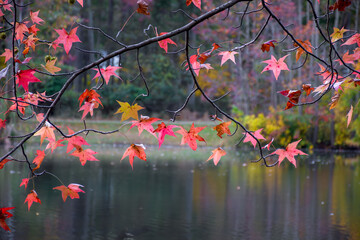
x: 26, y: 38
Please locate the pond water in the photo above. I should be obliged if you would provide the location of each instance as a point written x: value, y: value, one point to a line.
x: 177, y: 195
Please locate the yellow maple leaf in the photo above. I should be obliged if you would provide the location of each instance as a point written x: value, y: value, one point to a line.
x: 337, y: 34
x: 50, y: 66
x: 129, y: 111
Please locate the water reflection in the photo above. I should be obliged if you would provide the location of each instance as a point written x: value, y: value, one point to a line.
x: 188, y: 199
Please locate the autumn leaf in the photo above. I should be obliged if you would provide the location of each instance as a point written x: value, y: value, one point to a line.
x: 89, y: 96
x: 163, y: 130
x: 38, y: 159
x: 227, y: 55
x: 135, y: 150
x: 50, y: 66
x: 4, y: 214
x: 334, y: 100
x: 354, y: 39
x: 54, y: 144
x: 72, y: 190
x: 266, y: 45
x: 2, y: 123
x: 74, y: 141
x: 84, y: 155
x: 191, y: 136
x: 24, y: 182
x: 33, y: 29
x: 32, y: 197
x: 164, y: 43
x: 81, y: 2
x: 67, y: 39
x: 202, y: 57
x: 306, y: 44
x: 128, y: 111
x: 107, y: 73
x: 47, y: 131
x: 349, y: 115
x: 307, y: 88
x: 249, y: 138
x: 276, y: 66
x: 197, y: 3
x: 145, y: 124
x: 290, y: 152
x: 2, y: 163
x: 34, y: 17
x: 24, y: 77
x: 293, y: 96
x: 338, y: 34
x: 8, y: 54
x: 222, y: 128
x: 217, y: 154
x: 20, y: 30
x: 20, y: 106
x: 340, y: 5
x: 268, y: 145
x: 143, y: 7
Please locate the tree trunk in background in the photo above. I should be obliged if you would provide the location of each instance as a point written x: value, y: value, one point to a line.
x: 315, y: 38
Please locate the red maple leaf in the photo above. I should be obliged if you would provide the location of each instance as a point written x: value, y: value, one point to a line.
x: 145, y: 124
x: 222, y: 128
x: 8, y: 54
x: 227, y: 55
x: 266, y: 45
x: 54, y: 144
x: 2, y: 123
x: 217, y: 154
x: 249, y: 138
x: 293, y: 96
x: 164, y: 43
x: 107, y: 73
x: 88, y: 107
x: 71, y: 190
x: 135, y: 150
x: 81, y: 2
x: 33, y: 29
x: 290, y: 152
x: 20, y: 106
x: 24, y: 182
x: 2, y: 163
x: 38, y: 159
x: 275, y: 65
x: 191, y: 136
x: 67, y: 39
x: 197, y: 3
x: 75, y: 141
x: 340, y: 5
x: 353, y: 39
x: 84, y: 155
x: 163, y: 130
x: 268, y: 145
x: 89, y: 96
x: 34, y: 17
x: 4, y: 214
x: 32, y: 197
x: 24, y: 77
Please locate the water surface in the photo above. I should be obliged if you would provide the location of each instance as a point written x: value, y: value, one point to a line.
x: 177, y: 195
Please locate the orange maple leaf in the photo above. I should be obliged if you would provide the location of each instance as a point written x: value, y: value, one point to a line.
x: 143, y: 7
x: 222, y: 128
x: 293, y: 96
x: 135, y: 150
x: 38, y: 159
x: 290, y: 152
x: 50, y: 66
x: 266, y: 45
x: 2, y: 163
x: 306, y: 44
x: 128, y: 111
x: 46, y: 131
x: 24, y: 182
x: 74, y: 141
x: 217, y: 154
x: 32, y: 197
x: 84, y: 155
x: 71, y: 190
x: 191, y: 136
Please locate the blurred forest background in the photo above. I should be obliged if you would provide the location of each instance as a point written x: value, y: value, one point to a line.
x: 252, y: 97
